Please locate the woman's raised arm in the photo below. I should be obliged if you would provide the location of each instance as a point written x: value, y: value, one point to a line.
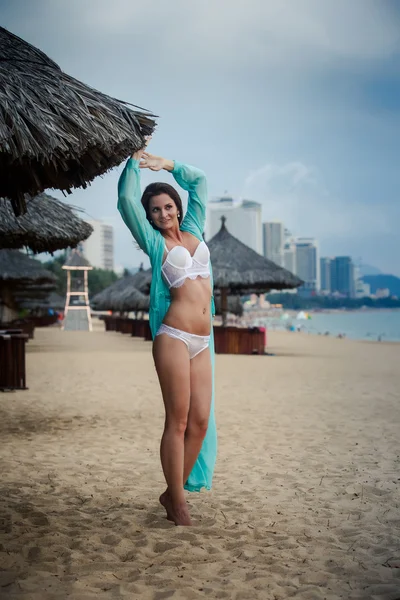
x: 131, y: 208
x: 194, y: 181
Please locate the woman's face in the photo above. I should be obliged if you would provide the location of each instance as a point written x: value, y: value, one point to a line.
x: 163, y: 212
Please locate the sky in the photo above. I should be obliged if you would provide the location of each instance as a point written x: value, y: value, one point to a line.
x: 292, y: 103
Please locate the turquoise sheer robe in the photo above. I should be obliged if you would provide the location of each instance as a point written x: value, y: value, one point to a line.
x: 153, y: 244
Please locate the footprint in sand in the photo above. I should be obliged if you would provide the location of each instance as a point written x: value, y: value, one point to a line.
x: 185, y: 537
x: 110, y: 539
x: 160, y: 547
x: 33, y: 554
x: 162, y: 595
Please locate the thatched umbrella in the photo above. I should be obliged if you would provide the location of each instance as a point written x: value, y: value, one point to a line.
x: 55, y: 301
x: 105, y: 299
x: 16, y: 268
x: 141, y: 280
x: 52, y: 300
x: 56, y: 132
x: 35, y: 290
x: 20, y: 277
x: 130, y: 299
x: 47, y: 225
x: 238, y: 269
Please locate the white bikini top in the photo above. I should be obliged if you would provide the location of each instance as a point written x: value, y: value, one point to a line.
x: 179, y: 265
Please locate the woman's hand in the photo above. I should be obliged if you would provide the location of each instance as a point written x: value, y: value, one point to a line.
x: 154, y: 163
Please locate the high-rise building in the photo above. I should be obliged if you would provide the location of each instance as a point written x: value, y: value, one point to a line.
x: 243, y: 220
x: 289, y: 257
x: 99, y: 247
x: 289, y: 252
x: 342, y: 276
x: 307, y: 265
x: 273, y: 242
x: 325, y: 271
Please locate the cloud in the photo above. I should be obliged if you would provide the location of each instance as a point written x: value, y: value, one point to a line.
x: 288, y: 34
x: 295, y: 194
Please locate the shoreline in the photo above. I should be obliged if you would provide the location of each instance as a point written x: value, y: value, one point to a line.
x: 350, y: 310
x: 330, y: 337
x: 362, y: 325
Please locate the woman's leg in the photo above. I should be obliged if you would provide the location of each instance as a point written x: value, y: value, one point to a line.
x: 172, y: 363
x: 199, y: 411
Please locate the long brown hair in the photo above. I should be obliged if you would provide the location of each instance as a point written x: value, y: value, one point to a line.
x: 155, y: 189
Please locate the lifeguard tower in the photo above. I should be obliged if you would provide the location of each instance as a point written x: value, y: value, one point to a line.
x: 77, y: 309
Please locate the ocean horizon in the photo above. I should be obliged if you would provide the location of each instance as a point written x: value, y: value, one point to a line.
x: 370, y: 324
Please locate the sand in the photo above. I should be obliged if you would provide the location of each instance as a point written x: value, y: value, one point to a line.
x: 306, y: 496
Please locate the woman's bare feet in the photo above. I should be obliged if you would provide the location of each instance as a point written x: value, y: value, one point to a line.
x: 165, y: 502
x: 178, y: 513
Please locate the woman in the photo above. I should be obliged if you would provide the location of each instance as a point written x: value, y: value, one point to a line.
x: 181, y: 311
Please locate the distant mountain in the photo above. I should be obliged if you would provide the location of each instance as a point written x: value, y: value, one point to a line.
x: 369, y: 270
x: 383, y: 281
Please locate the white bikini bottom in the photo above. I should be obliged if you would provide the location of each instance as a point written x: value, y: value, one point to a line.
x: 195, y: 343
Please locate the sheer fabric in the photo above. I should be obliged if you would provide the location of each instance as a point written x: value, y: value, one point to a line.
x: 194, y: 343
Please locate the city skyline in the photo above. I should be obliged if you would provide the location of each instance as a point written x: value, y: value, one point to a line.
x: 223, y: 209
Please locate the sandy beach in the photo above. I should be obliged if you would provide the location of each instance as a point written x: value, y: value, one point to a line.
x: 306, y: 496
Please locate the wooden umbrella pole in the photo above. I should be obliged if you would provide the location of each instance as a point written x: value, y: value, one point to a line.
x: 67, y: 299
x: 224, y: 306
x: 86, y: 288
x: 8, y: 308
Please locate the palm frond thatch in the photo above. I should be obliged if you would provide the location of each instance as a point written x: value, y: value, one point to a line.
x: 34, y: 290
x: 241, y: 270
x: 130, y: 299
x: 56, y: 132
x: 105, y: 299
x: 55, y: 301
x: 47, y: 225
x: 18, y: 269
x: 52, y: 300
x: 141, y: 280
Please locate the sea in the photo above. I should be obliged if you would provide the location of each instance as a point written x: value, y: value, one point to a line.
x: 374, y: 325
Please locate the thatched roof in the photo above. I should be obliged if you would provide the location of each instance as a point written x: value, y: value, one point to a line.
x: 56, y: 132
x: 130, y: 299
x: 48, y: 225
x: 52, y: 300
x: 76, y: 260
x: 34, y: 290
x: 105, y: 299
x: 125, y: 299
x: 18, y: 268
x: 141, y: 280
x: 241, y: 270
x: 56, y: 301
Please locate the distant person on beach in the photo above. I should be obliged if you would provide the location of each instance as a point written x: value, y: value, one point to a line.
x: 181, y: 312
